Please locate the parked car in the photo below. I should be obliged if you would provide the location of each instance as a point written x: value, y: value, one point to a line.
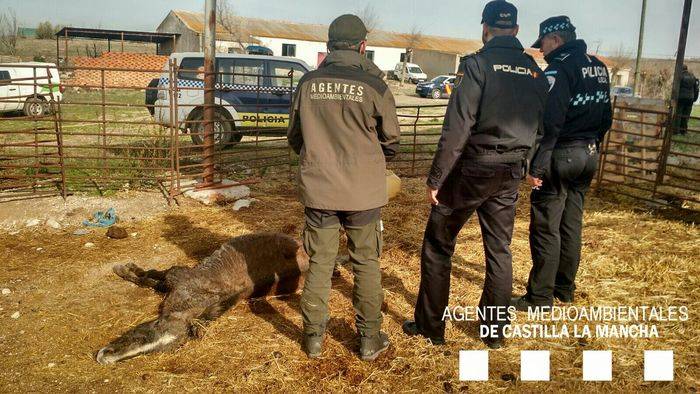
x: 258, y: 50
x: 438, y: 87
x: 29, y: 88
x: 252, y: 91
x: 414, y: 73
x: 622, y: 91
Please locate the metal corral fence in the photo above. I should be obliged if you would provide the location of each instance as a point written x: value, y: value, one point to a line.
x: 89, y: 137
x: 107, y: 136
x: 647, y: 158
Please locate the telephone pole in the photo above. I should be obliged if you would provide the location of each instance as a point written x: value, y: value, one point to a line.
x: 640, y: 45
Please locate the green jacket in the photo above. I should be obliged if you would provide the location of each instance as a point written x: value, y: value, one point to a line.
x: 343, y: 124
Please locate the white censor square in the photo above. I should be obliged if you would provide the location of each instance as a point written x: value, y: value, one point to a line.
x: 658, y: 365
x: 473, y: 365
x: 597, y: 365
x: 534, y: 365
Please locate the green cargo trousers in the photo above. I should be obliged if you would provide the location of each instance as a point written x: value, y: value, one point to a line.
x: 321, y: 241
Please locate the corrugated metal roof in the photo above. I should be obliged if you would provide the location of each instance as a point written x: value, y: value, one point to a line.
x: 319, y: 33
x: 105, y: 34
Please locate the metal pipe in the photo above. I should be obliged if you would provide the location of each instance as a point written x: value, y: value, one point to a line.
x: 680, y: 57
x: 640, y: 45
x: 209, y: 82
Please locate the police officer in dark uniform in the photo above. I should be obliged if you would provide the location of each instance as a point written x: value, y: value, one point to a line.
x: 491, y: 125
x: 687, y: 96
x: 577, y: 116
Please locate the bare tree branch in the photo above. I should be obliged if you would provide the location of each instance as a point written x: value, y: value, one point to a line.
x: 234, y: 26
x: 413, y: 38
x: 8, y: 33
x: 369, y: 17
x: 620, y: 59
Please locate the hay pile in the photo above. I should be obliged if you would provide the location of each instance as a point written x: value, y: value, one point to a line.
x: 71, y: 304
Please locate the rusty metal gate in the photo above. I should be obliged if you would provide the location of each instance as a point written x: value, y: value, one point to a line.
x: 645, y: 160
x: 103, y: 136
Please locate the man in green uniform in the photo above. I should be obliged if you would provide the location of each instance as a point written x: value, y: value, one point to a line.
x: 343, y: 124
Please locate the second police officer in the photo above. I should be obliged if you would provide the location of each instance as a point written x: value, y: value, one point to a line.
x: 491, y: 125
x: 577, y: 116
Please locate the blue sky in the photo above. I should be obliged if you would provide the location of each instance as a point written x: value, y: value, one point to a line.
x: 605, y: 24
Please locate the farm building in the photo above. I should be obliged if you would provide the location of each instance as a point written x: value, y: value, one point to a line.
x: 436, y: 55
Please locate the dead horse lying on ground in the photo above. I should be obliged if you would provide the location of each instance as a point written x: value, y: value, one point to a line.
x: 251, y: 265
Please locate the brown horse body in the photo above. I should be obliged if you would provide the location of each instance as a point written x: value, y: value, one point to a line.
x: 251, y: 265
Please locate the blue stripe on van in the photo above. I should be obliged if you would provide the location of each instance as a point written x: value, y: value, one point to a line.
x: 188, y: 83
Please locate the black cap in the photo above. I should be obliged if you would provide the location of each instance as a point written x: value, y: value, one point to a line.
x: 501, y: 14
x: 550, y: 25
x: 347, y: 27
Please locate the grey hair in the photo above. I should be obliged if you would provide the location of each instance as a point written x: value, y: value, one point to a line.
x: 564, y: 35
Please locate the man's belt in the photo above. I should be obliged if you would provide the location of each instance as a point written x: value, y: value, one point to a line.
x: 574, y: 143
x: 513, y: 156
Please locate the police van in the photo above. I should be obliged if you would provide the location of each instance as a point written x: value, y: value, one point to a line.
x: 251, y: 92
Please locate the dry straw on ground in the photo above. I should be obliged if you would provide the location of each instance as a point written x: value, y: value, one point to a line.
x: 71, y: 305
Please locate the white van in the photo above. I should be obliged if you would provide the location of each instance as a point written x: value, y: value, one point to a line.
x: 413, y: 72
x: 252, y: 91
x: 29, y: 87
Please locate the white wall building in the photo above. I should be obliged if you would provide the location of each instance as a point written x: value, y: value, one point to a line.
x: 436, y: 55
x: 308, y: 42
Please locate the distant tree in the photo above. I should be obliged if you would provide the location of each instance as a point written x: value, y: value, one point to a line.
x: 413, y: 38
x: 8, y: 33
x: 233, y: 25
x: 620, y: 59
x: 45, y: 31
x: 656, y: 81
x: 369, y: 17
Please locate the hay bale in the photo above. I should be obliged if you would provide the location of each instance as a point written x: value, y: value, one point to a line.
x: 393, y: 184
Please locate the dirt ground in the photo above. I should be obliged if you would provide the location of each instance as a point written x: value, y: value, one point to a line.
x: 70, y: 305
x: 15, y: 215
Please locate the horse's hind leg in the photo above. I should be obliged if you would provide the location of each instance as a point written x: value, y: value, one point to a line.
x: 154, y: 279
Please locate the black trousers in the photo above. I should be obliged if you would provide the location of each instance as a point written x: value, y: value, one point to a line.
x: 556, y: 216
x: 492, y: 191
x: 685, y: 108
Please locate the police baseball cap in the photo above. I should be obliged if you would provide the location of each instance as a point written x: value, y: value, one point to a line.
x: 501, y: 14
x: 550, y: 25
x: 348, y: 28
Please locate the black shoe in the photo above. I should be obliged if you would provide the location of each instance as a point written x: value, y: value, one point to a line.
x: 371, y: 347
x: 410, y: 328
x: 523, y: 304
x: 564, y: 299
x: 493, y: 343
x: 313, y: 344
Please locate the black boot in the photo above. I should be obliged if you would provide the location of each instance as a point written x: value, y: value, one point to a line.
x: 564, y: 299
x: 410, y: 328
x: 493, y: 343
x: 522, y: 304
